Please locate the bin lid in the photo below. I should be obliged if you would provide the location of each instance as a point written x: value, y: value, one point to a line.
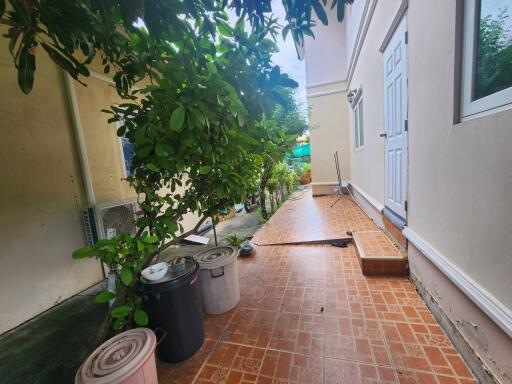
x: 216, y: 257
x: 174, y: 273
x: 117, y: 358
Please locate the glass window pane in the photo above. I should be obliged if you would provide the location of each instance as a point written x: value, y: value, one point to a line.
x: 494, y: 48
x: 127, y: 154
x: 361, y: 125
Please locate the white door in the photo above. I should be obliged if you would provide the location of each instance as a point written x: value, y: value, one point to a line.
x: 395, y: 116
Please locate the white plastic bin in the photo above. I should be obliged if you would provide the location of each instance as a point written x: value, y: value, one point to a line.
x: 127, y: 358
x: 218, y: 275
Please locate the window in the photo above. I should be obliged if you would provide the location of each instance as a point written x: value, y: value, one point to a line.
x: 357, y: 105
x: 127, y: 151
x: 487, y: 56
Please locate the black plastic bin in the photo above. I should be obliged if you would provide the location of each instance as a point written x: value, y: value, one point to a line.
x: 176, y: 312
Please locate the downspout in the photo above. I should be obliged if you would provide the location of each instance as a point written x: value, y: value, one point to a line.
x: 80, y: 144
x: 80, y: 140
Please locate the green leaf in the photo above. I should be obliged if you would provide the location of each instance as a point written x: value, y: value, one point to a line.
x: 320, y: 12
x: 105, y: 297
x: 126, y: 275
x: 152, y: 167
x: 26, y: 69
x: 177, y: 119
x: 103, y: 243
x: 84, y: 252
x: 150, y: 239
x: 141, y: 317
x: 120, y: 312
x: 225, y: 29
x: 118, y: 324
x: 159, y: 149
x: 205, y: 169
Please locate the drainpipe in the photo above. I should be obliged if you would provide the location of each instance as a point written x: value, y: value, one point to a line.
x: 80, y: 143
x: 80, y: 140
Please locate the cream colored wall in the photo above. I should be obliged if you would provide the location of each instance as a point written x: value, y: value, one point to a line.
x: 367, y: 166
x: 325, y: 54
x: 41, y: 196
x: 326, y: 71
x: 327, y: 121
x: 460, y: 176
x: 102, y: 143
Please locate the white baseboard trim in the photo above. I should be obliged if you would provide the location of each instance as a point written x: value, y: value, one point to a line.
x: 378, y: 206
x: 494, y: 308
x: 344, y: 183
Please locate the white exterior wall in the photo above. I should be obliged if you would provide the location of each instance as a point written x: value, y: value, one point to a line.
x: 459, y: 175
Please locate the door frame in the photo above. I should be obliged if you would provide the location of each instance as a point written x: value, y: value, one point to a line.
x: 399, y: 26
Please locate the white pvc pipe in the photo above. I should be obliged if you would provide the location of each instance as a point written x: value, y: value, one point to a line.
x: 80, y: 140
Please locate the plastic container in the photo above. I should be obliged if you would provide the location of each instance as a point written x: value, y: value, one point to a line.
x: 174, y: 305
x: 220, y: 287
x: 127, y: 358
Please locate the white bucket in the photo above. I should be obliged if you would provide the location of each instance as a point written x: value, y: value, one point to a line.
x: 218, y: 274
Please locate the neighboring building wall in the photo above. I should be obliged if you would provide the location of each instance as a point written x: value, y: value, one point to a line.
x: 42, y: 188
x: 326, y: 94
x: 41, y: 196
x: 328, y: 113
x: 103, y: 146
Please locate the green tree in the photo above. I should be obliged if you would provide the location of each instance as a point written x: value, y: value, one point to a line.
x: 202, y: 122
x: 494, y: 55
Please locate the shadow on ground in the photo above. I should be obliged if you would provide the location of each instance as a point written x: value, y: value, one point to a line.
x: 51, y: 347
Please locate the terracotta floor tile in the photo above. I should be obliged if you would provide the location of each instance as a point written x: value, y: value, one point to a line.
x: 349, y: 372
x: 307, y: 219
x: 285, y: 367
x: 250, y: 327
x: 308, y: 315
x: 231, y: 363
x: 185, y: 371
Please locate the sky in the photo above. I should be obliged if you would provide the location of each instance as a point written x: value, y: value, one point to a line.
x: 287, y: 59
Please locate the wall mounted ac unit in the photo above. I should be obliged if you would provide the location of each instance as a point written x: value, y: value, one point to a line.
x: 105, y: 221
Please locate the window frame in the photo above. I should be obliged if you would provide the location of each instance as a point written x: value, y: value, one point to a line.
x: 489, y: 104
x: 358, y: 120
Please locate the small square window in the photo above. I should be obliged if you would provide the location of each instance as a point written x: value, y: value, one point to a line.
x: 487, y: 56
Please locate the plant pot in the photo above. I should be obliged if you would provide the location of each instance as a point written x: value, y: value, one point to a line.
x: 305, y: 179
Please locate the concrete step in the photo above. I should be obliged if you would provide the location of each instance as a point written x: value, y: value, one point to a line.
x: 378, y: 255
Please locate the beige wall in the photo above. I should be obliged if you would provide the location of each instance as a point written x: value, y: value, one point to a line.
x: 327, y: 121
x: 41, y: 196
x: 460, y: 175
x: 368, y: 162
x: 102, y: 143
x: 326, y: 72
x: 325, y: 54
x: 42, y: 188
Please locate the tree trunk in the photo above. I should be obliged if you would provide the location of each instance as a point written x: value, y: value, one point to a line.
x: 214, y: 232
x: 272, y: 201
x: 265, y: 176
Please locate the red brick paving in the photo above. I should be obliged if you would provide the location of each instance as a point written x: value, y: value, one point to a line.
x: 308, y: 315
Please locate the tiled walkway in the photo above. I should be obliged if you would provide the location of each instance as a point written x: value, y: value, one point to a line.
x: 303, y: 218
x: 308, y: 315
